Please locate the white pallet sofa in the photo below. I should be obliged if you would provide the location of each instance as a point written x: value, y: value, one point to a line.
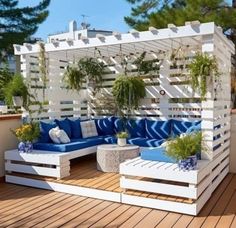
x: 43, y: 163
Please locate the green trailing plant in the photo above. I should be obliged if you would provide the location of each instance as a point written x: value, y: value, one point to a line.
x: 181, y: 148
x: 127, y: 91
x: 122, y: 135
x: 86, y: 68
x: 16, y: 87
x: 145, y: 66
x: 5, y: 78
x: 201, y: 68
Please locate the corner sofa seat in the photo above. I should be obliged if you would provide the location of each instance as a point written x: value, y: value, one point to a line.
x: 75, y: 144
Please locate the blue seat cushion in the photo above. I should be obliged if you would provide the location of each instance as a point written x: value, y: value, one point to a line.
x: 156, y: 154
x: 75, y: 144
x: 158, y: 129
x: 179, y: 127
x: 105, y: 126
x: 75, y: 128
x: 64, y: 125
x: 136, y: 128
x: 145, y: 142
x: 45, y: 127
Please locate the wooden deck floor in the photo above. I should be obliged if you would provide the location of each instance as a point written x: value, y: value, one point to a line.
x: 29, y: 207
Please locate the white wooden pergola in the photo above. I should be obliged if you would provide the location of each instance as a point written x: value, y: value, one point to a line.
x: 178, y: 102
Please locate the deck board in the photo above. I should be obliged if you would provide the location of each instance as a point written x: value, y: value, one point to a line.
x: 29, y: 207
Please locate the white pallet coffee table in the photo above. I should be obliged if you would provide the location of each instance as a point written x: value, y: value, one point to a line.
x: 37, y: 162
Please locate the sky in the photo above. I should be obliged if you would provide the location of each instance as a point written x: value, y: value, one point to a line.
x: 102, y: 14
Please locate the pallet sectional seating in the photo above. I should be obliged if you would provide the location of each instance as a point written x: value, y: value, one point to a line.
x: 142, y: 132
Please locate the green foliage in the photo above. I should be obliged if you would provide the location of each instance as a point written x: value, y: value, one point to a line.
x: 202, y: 67
x: 182, y: 147
x: 90, y: 68
x: 5, y: 78
x: 146, y: 13
x: 127, y: 91
x: 16, y: 87
x: 122, y: 135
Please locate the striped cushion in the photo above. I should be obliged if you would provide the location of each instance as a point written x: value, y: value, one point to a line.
x: 179, y: 127
x: 158, y: 129
x: 136, y: 128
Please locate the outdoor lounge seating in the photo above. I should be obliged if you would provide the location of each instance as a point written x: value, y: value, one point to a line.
x: 143, y: 133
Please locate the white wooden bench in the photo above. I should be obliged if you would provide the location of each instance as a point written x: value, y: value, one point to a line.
x: 43, y: 163
x: 181, y: 191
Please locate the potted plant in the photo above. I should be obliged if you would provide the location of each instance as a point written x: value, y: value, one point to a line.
x: 16, y: 92
x: 127, y: 91
x: 202, y: 70
x: 122, y: 138
x: 27, y: 134
x: 184, y: 149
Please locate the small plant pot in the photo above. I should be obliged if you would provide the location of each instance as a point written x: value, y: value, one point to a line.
x: 121, y: 141
x: 189, y: 163
x: 17, y: 101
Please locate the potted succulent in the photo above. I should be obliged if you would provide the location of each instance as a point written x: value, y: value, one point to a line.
x: 122, y: 138
x: 27, y: 134
x: 16, y: 92
x: 184, y: 149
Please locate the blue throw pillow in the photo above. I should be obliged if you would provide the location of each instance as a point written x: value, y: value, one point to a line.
x: 158, y: 129
x: 136, y: 128
x: 44, y: 131
x: 105, y: 126
x: 119, y: 124
x: 64, y: 125
x: 179, y: 127
x: 75, y: 128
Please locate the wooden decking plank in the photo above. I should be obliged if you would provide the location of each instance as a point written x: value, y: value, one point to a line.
x: 63, y: 220
x: 169, y: 220
x: 111, y: 216
x: 199, y: 220
x: 86, y: 216
x: 220, y: 206
x: 152, y: 219
x: 183, y: 221
x: 136, y: 218
x: 229, y: 213
x: 45, y: 214
x: 101, y: 214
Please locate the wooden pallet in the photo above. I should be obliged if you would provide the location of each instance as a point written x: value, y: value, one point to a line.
x: 180, y: 191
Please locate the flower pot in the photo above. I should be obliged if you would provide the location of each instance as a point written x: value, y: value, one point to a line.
x: 21, y: 147
x: 189, y: 163
x: 17, y: 101
x: 25, y: 147
x: 121, y: 141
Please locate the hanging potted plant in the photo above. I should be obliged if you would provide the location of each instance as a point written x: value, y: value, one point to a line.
x: 202, y: 70
x: 128, y: 91
x: 16, y: 92
x: 184, y: 149
x: 122, y: 138
x: 87, y: 69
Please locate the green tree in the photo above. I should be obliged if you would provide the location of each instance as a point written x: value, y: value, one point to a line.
x: 17, y: 24
x: 159, y: 14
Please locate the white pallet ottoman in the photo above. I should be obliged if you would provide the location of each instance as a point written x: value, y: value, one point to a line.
x: 37, y: 162
x: 189, y: 189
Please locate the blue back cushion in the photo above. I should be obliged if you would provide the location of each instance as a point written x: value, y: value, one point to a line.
x: 119, y: 124
x: 179, y: 127
x: 105, y: 126
x: 64, y: 125
x: 158, y: 129
x: 75, y: 128
x: 136, y: 128
x: 44, y: 130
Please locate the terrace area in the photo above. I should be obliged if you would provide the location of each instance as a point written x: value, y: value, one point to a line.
x: 132, y: 196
